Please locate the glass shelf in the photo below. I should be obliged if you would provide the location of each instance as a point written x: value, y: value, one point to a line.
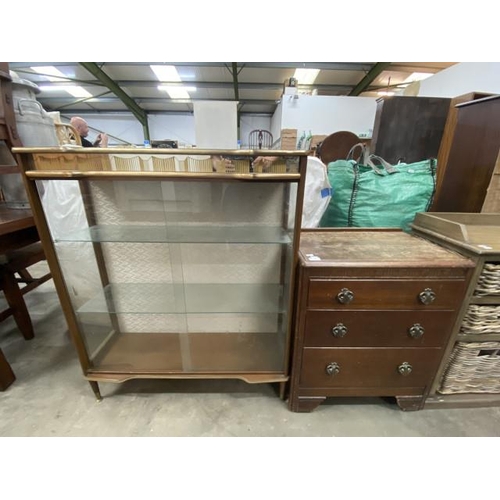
x: 160, y: 298
x: 180, y: 234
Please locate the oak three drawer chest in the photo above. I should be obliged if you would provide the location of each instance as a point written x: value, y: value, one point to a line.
x: 374, y: 312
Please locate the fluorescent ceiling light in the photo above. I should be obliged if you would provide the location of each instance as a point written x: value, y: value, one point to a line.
x: 166, y: 73
x: 75, y: 91
x: 416, y: 77
x: 385, y: 92
x: 51, y: 73
x: 177, y: 92
x: 305, y: 76
x: 54, y: 75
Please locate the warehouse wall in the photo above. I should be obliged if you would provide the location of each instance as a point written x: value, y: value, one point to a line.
x: 180, y: 128
x: 326, y: 114
x: 459, y: 79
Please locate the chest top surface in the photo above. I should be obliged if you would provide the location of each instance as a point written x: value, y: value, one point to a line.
x: 374, y: 248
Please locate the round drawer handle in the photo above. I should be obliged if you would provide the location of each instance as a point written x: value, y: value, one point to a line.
x: 339, y: 330
x: 332, y: 369
x: 416, y: 331
x: 405, y: 369
x: 345, y: 296
x: 427, y: 296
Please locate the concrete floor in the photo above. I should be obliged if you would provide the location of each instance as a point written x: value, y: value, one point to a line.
x: 51, y: 398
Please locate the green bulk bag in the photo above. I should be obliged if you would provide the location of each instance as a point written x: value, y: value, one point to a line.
x: 376, y: 194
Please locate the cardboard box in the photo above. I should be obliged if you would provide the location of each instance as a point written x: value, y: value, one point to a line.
x: 289, y: 132
x: 288, y: 138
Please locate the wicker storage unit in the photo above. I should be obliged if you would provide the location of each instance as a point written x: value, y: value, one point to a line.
x: 473, y: 367
x: 470, y: 373
x: 489, y: 281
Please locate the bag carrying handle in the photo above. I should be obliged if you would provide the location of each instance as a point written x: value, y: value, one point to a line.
x: 362, y: 157
x: 387, y: 166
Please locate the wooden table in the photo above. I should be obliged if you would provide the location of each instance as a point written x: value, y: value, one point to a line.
x: 17, y: 229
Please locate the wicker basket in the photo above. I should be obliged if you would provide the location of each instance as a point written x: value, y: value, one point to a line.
x: 72, y: 162
x: 474, y: 367
x: 481, y: 319
x: 489, y: 281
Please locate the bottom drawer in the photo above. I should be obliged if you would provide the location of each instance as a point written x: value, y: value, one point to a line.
x: 377, y: 367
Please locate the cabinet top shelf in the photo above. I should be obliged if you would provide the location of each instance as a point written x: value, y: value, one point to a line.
x: 163, y: 151
x: 71, y: 162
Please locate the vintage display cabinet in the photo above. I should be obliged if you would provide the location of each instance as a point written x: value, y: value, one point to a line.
x: 375, y: 310
x: 171, y: 263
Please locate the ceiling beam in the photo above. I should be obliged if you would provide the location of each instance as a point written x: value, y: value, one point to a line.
x: 234, y: 73
x: 332, y: 66
x: 211, y: 85
x: 65, y: 100
x: 369, y: 77
x: 137, y: 111
x: 83, y: 112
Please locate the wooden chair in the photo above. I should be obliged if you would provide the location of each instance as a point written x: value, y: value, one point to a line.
x: 337, y: 146
x: 16, y: 262
x: 260, y: 139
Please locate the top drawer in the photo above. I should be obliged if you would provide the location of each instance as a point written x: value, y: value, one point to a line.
x: 385, y: 294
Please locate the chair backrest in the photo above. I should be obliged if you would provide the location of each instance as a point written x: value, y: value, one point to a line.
x: 337, y: 146
x: 260, y: 139
x: 67, y: 134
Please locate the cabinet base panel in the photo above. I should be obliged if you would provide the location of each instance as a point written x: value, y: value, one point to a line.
x: 260, y: 378
x: 409, y: 399
x: 462, y: 401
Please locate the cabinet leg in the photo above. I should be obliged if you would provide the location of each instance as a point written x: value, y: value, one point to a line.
x: 282, y: 387
x: 95, y: 389
x: 305, y: 404
x: 410, y: 403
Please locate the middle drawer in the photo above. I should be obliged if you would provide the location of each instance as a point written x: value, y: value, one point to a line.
x: 377, y: 328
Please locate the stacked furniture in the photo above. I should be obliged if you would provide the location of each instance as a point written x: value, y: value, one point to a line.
x: 409, y: 128
x: 468, y: 156
x: 20, y: 245
x: 375, y: 310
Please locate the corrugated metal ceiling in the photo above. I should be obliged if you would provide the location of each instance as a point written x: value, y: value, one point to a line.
x: 257, y: 86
